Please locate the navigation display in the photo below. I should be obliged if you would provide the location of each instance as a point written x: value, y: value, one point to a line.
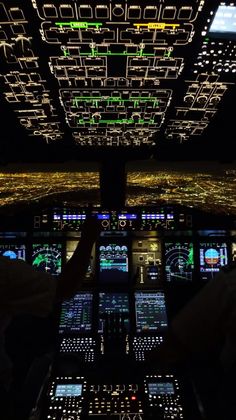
x: 150, y: 312
x: 179, y: 261
x: 113, y: 262
x: 213, y: 256
x: 224, y: 22
x: 76, y: 314
x: 47, y: 257
x: 113, y: 303
x: 68, y: 390
x: 13, y: 251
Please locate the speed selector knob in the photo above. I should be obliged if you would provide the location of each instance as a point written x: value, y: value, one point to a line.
x: 105, y: 223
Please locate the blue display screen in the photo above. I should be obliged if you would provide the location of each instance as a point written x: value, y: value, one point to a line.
x: 213, y: 256
x: 127, y: 216
x: 113, y: 262
x: 12, y: 251
x: 103, y: 216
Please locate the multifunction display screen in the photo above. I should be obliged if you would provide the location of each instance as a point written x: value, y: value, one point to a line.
x: 113, y: 262
x: 13, y: 251
x: 68, y: 390
x: 213, y: 256
x: 179, y: 261
x: 150, y: 311
x: 76, y: 314
x: 113, y: 303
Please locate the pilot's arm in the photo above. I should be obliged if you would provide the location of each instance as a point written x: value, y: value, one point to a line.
x: 73, y: 274
x: 208, y: 320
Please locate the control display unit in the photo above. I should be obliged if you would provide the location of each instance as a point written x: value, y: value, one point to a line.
x: 68, y: 390
x: 65, y: 395
x: 113, y: 303
x: 47, y: 257
x: 213, y: 256
x: 76, y: 314
x: 161, y: 388
x: 164, y: 394
x: 150, y: 312
x: 113, y: 262
x: 13, y: 251
x: 179, y: 262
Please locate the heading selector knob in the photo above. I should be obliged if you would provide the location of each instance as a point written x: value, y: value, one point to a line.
x: 105, y: 223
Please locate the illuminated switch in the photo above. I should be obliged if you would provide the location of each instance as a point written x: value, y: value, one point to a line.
x: 134, y: 12
x: 50, y: 11
x: 85, y: 11
x: 18, y: 29
x: 66, y: 11
x: 102, y: 12
x: 3, y: 36
x: 16, y: 13
x: 169, y: 12
x: 3, y: 13
x: 150, y: 12
x: 185, y: 13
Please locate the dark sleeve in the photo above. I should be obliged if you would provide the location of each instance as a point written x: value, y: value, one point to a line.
x: 25, y: 290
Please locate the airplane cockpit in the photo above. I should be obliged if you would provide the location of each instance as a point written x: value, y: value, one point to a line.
x: 145, y: 266
x: 120, y: 112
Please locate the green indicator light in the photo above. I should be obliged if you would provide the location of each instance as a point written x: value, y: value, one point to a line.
x: 66, y: 52
x: 78, y: 25
x: 167, y: 53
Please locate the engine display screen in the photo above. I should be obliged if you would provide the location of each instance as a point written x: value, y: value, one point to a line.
x: 150, y: 312
x: 113, y: 262
x: 12, y: 251
x: 113, y: 303
x: 47, y: 257
x: 68, y: 390
x: 213, y: 256
x: 76, y: 314
x: 179, y: 261
x: 161, y: 388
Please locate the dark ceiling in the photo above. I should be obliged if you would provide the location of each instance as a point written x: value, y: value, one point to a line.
x: 107, y: 80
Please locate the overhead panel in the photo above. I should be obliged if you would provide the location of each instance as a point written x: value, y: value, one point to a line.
x: 108, y: 73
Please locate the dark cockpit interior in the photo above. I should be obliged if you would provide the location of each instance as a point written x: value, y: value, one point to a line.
x: 120, y: 111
